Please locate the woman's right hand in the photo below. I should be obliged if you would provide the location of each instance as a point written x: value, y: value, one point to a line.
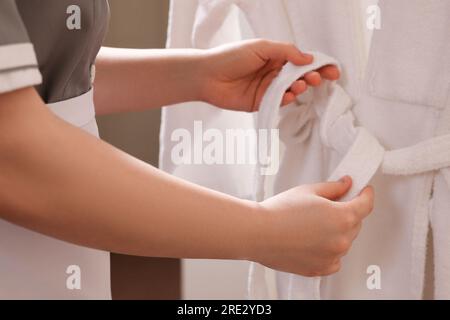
x: 306, y: 231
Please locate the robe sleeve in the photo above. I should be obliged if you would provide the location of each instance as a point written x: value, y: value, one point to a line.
x: 18, y: 62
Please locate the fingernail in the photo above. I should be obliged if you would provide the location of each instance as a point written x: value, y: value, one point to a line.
x: 307, y: 55
x: 344, y: 179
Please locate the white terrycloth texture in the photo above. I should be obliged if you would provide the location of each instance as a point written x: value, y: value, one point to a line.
x: 362, y: 158
x: 334, y: 127
x: 401, y: 99
x: 183, y: 14
x: 208, y: 23
x: 361, y: 161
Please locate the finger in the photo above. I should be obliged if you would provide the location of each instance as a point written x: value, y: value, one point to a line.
x: 336, y: 267
x: 313, y: 78
x: 329, y: 72
x: 265, y: 83
x: 286, y: 52
x: 288, y: 98
x: 298, y: 87
x: 363, y: 204
x: 297, y: 57
x: 331, y: 190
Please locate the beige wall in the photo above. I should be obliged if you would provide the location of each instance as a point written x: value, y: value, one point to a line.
x: 139, y: 24
x: 136, y: 24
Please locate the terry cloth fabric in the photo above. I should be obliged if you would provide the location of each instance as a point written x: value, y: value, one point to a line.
x: 399, y: 101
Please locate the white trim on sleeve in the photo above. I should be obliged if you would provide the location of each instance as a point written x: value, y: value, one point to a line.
x: 18, y: 79
x: 17, y: 55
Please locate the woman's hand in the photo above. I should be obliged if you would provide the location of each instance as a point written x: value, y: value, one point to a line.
x: 309, y: 232
x: 237, y: 75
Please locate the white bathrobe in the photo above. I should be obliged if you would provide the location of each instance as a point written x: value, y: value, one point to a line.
x: 391, y: 120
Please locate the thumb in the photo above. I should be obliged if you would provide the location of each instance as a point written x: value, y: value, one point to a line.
x: 331, y: 190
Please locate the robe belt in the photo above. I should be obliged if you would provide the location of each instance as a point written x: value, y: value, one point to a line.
x: 363, y: 155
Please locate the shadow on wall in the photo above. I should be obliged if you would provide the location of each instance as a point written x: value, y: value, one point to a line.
x: 139, y: 24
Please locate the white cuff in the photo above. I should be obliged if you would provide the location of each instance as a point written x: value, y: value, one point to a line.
x: 17, y: 55
x: 19, y: 78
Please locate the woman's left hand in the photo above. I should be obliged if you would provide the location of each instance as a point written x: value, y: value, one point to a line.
x: 238, y: 74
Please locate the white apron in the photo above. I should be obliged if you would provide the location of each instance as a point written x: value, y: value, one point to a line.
x: 34, y: 266
x: 395, y: 104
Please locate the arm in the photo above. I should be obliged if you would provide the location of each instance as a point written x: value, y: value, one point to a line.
x: 60, y: 181
x: 137, y: 79
x: 233, y: 76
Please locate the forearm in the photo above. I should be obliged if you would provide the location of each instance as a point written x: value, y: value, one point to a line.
x: 136, y: 79
x: 60, y: 181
